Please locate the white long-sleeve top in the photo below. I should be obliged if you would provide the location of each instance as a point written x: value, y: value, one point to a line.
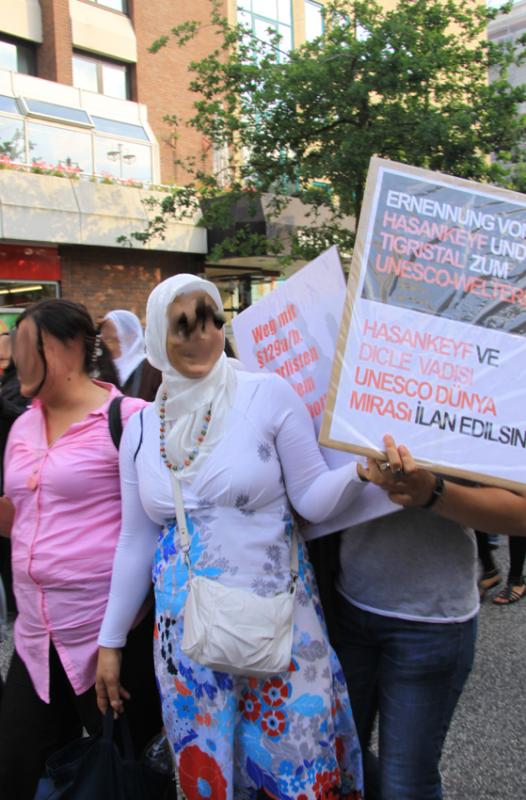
x: 238, y: 503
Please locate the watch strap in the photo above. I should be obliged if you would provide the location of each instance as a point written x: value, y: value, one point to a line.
x: 436, y: 494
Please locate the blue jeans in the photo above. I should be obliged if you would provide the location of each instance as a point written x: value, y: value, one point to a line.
x: 412, y: 675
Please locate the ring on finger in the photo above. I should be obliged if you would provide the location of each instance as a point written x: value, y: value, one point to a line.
x: 384, y: 466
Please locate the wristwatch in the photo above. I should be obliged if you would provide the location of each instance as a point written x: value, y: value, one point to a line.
x: 436, y: 494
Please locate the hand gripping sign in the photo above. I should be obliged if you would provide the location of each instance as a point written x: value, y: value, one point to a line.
x: 432, y: 345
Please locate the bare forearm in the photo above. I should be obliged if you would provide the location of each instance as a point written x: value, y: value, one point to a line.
x: 485, y: 508
x: 7, y: 514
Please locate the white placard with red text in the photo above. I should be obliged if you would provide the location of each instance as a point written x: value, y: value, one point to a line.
x: 432, y: 347
x: 293, y: 331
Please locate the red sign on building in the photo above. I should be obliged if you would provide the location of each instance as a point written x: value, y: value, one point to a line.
x: 27, y: 263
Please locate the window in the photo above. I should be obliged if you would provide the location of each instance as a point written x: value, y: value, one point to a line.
x: 103, y: 77
x: 313, y: 20
x: 261, y: 15
x: 120, y: 128
x: 39, y: 108
x: 12, y: 140
x: 8, y: 104
x: 500, y: 3
x: 16, y: 295
x: 59, y: 146
x: 116, y: 5
x: 17, y: 56
x: 123, y: 160
x: 70, y: 137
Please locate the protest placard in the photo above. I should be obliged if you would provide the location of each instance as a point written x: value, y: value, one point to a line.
x: 432, y: 344
x: 293, y: 331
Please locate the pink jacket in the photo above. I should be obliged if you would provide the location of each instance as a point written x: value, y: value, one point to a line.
x: 66, y: 526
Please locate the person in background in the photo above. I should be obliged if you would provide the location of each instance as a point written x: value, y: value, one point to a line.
x: 122, y: 333
x: 406, y: 616
x: 12, y: 404
x: 3, y: 623
x: 515, y: 588
x: 62, y: 488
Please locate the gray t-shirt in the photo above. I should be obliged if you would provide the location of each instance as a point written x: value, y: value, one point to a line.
x: 412, y: 564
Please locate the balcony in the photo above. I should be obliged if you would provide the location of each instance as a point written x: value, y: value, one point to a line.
x: 48, y: 209
x: 75, y: 168
x: 43, y: 121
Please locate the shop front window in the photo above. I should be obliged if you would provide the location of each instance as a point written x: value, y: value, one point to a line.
x: 17, y: 295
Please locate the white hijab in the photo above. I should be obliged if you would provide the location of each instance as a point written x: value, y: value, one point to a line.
x: 131, y: 341
x: 188, y: 398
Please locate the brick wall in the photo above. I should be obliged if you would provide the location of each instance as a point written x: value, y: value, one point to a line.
x: 106, y: 278
x: 161, y: 79
x: 54, y: 55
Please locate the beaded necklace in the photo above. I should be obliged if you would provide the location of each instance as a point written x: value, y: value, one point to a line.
x: 200, y: 439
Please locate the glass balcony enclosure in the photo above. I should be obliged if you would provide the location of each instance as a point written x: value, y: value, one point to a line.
x: 45, y: 135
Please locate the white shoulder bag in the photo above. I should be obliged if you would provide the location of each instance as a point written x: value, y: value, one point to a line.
x: 235, y: 630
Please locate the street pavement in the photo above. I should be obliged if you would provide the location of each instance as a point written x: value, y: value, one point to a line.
x: 485, y: 752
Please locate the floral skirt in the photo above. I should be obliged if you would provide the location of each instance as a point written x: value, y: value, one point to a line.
x: 288, y: 737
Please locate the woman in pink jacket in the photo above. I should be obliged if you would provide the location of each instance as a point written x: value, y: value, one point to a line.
x: 62, y: 479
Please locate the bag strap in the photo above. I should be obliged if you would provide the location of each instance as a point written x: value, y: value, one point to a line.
x: 185, y: 536
x: 181, y: 519
x: 108, y: 727
x: 136, y: 380
x: 141, y: 420
x: 115, y: 420
x: 115, y: 424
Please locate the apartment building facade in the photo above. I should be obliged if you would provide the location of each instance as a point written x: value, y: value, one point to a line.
x: 82, y: 143
x: 511, y: 26
x: 84, y: 140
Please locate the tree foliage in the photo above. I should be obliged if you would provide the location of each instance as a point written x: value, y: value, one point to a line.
x: 408, y: 84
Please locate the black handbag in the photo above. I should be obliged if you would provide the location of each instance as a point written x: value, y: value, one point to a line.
x: 94, y: 768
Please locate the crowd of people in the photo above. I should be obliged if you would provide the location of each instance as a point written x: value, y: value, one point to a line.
x: 104, y: 565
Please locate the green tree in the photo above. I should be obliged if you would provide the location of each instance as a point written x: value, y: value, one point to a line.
x: 408, y: 84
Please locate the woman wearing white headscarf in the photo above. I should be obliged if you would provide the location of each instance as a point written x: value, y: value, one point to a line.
x: 243, y: 448
x: 122, y: 333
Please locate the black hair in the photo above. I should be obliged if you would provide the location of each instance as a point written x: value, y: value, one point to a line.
x: 66, y: 321
x: 229, y: 350
x: 106, y: 369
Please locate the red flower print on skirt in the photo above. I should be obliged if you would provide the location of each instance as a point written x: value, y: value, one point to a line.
x: 249, y: 706
x: 327, y: 786
x: 275, y: 692
x: 274, y: 723
x: 200, y: 775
